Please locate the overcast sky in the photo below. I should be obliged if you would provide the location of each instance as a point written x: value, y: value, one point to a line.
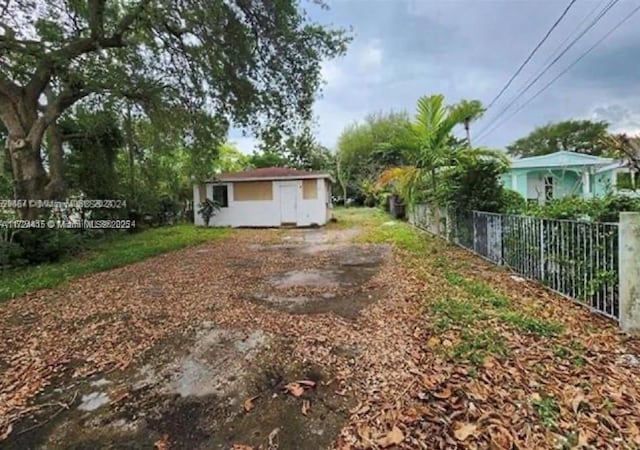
x: 403, y: 49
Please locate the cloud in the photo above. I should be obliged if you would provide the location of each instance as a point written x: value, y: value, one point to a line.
x: 404, y: 49
x: 371, y: 55
x: 331, y: 73
x: 622, y: 119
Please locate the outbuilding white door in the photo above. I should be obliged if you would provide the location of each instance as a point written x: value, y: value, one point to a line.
x: 288, y: 204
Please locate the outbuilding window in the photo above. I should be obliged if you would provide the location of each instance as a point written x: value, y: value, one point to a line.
x: 221, y: 195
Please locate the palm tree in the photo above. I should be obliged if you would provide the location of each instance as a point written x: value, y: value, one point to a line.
x: 471, y: 110
x: 430, y: 150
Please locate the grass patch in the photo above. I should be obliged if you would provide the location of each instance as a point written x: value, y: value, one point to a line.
x: 573, y: 351
x: 477, y: 289
x: 531, y: 325
x: 452, y: 312
x: 357, y: 217
x: 379, y: 228
x: 500, y: 302
x: 113, y: 251
x: 548, y: 410
x: 455, y: 279
x: 476, y: 347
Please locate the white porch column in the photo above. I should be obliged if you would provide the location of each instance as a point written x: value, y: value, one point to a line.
x: 514, y: 182
x: 586, y: 184
x: 629, y: 271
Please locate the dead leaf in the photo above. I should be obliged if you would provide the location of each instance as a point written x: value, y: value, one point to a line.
x: 306, y: 407
x: 465, y: 430
x: 444, y: 394
x: 162, y: 443
x: 241, y: 447
x: 393, y: 437
x: 576, y: 401
x: 6, y: 433
x: 294, y: 389
x: 307, y: 383
x: 248, y: 403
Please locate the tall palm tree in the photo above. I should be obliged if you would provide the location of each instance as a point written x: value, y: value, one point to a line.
x: 471, y: 110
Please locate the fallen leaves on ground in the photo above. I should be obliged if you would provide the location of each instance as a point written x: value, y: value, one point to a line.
x: 393, y: 437
x: 420, y: 380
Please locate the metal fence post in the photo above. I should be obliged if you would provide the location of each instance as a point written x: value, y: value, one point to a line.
x: 542, y: 253
x: 475, y: 232
x: 629, y: 271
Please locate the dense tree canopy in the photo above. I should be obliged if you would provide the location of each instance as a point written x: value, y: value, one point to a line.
x: 366, y: 149
x: 190, y: 65
x: 301, y: 151
x: 581, y: 136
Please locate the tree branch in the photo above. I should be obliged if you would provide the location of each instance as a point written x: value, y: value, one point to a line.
x: 80, y: 46
x: 96, y: 18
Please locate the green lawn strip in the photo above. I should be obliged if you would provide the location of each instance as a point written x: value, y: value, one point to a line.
x: 465, y: 304
x: 501, y: 306
x: 107, y: 253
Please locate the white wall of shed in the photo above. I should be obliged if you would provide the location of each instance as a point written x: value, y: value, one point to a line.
x: 267, y: 213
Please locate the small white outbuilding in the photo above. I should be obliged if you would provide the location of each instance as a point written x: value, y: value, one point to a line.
x: 268, y: 197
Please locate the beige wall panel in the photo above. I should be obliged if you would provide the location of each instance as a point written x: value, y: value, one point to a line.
x: 309, y: 189
x: 252, y: 191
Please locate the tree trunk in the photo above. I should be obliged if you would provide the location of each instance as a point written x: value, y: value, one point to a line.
x: 25, y: 134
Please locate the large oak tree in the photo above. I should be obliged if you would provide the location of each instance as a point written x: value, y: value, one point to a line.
x: 255, y: 63
x: 581, y: 136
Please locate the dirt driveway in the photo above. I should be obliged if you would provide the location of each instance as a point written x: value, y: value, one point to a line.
x: 263, y: 339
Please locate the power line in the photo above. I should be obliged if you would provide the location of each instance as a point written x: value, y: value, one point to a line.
x: 602, y: 13
x: 546, y: 86
x: 533, y: 52
x: 569, y: 36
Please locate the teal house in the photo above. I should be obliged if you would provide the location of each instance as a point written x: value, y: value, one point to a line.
x: 563, y: 174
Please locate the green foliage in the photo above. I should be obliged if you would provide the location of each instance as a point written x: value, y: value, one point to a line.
x: 440, y: 170
x: 605, y: 209
x: 267, y: 158
x: 11, y: 255
x: 114, y: 250
x: 512, y: 202
x: 94, y: 139
x: 365, y: 150
x: 531, y: 325
x: 548, y: 410
x: 581, y: 136
x: 473, y: 184
x: 230, y: 159
x: 190, y: 67
x: 207, y: 210
x: 452, y: 312
x: 37, y: 246
x: 300, y: 151
x: 476, y: 346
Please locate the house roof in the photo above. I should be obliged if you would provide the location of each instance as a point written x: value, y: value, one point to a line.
x: 269, y: 173
x: 560, y: 159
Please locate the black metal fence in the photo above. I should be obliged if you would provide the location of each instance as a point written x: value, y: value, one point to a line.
x: 574, y: 258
